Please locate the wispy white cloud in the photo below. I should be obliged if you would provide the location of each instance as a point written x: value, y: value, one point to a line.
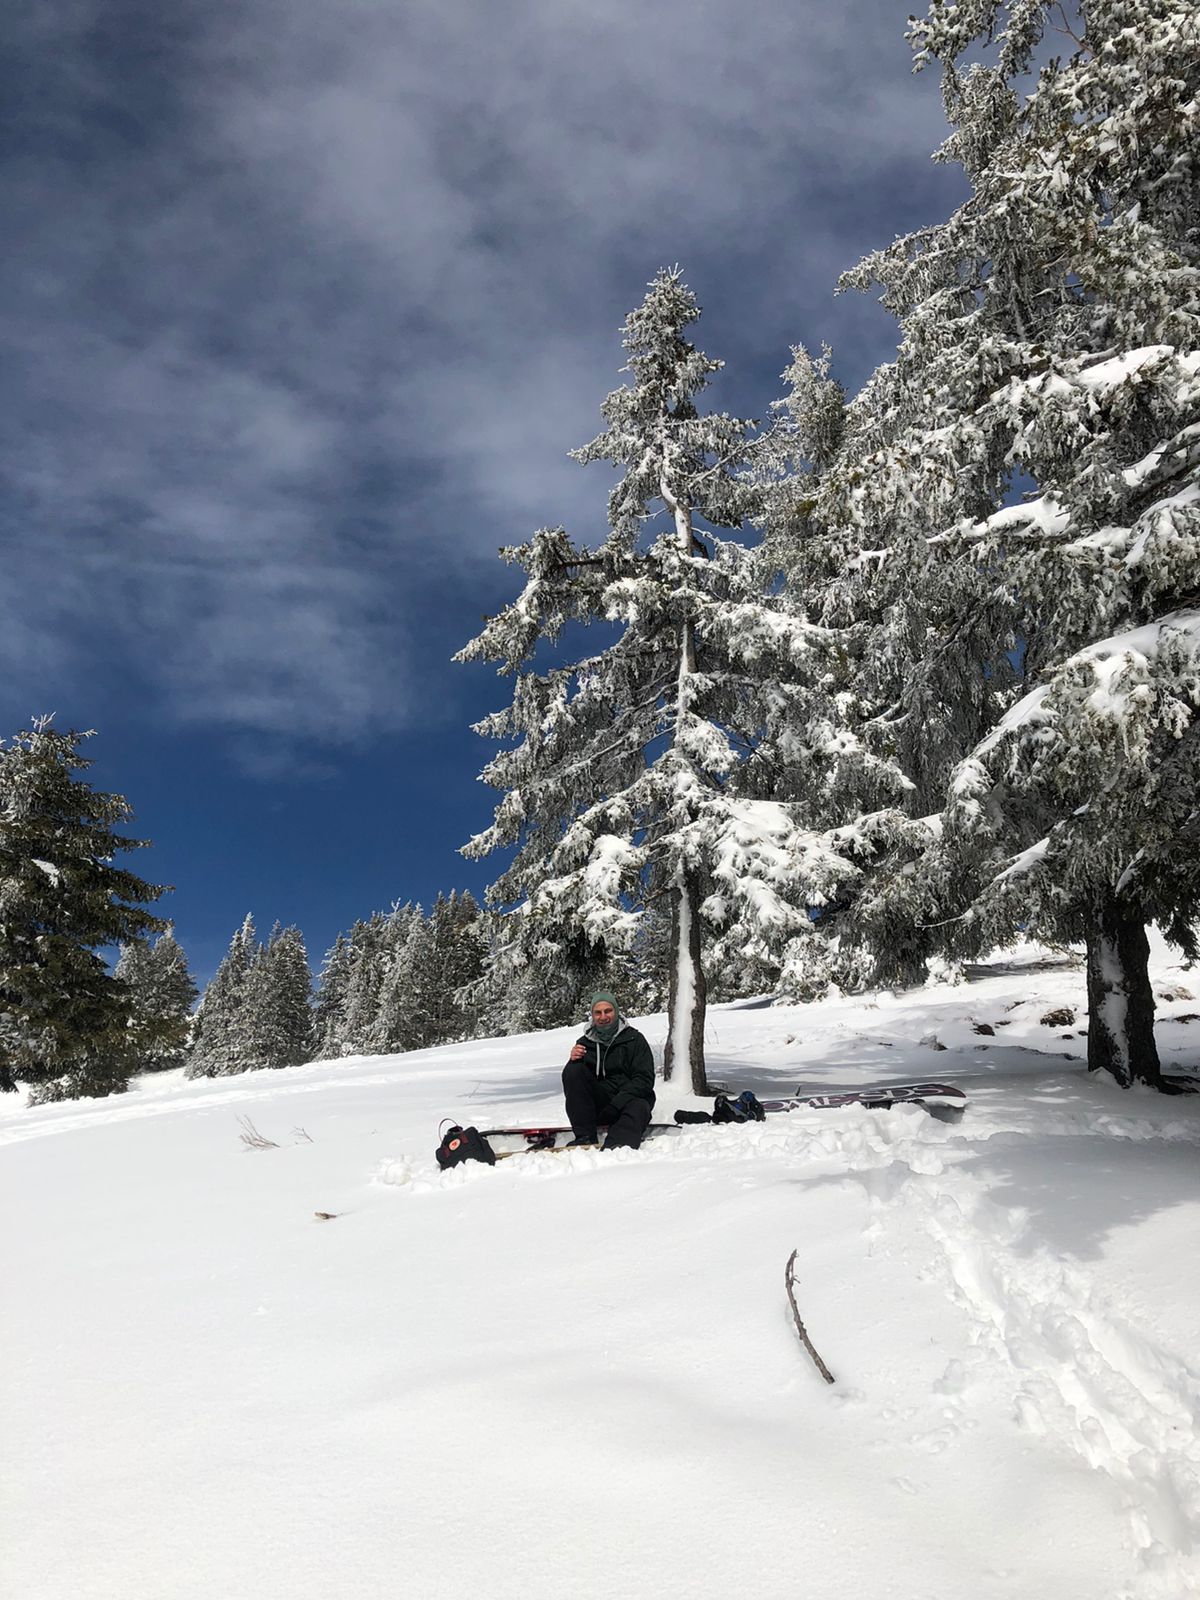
x: 308, y: 303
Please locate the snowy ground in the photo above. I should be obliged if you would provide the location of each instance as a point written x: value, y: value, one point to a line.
x: 577, y: 1374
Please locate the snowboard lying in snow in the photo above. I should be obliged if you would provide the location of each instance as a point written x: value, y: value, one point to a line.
x: 942, y: 1099
x: 879, y: 1096
x: 515, y: 1141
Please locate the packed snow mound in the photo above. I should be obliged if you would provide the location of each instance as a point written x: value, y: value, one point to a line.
x: 258, y: 1345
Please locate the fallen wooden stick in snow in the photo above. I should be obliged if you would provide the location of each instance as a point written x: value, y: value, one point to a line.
x: 789, y: 1280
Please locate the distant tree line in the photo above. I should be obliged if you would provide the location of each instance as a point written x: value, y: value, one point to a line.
x: 72, y: 1023
x: 400, y: 980
x: 75, y: 1023
x: 405, y: 979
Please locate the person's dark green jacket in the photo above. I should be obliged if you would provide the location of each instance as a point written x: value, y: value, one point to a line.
x: 626, y: 1065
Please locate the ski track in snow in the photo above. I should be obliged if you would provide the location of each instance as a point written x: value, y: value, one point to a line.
x: 1079, y: 1376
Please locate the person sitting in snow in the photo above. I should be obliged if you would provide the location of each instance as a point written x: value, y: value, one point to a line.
x: 609, y: 1080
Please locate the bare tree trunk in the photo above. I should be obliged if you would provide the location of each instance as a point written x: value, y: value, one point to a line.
x: 683, y: 1059
x: 1120, y: 999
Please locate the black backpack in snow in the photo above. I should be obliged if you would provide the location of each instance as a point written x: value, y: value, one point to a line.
x: 464, y: 1144
x: 746, y: 1108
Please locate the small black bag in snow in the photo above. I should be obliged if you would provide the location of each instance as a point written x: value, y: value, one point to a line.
x: 464, y: 1144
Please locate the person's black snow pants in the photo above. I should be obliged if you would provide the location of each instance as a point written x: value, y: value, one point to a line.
x: 588, y: 1107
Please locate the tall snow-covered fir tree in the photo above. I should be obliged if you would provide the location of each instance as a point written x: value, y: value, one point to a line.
x: 844, y: 818
x: 620, y: 787
x: 257, y: 1010
x: 393, y: 1026
x: 276, y: 1003
x: 399, y: 981
x: 221, y: 1046
x: 445, y: 960
x: 163, y: 992
x: 1015, y: 499
x: 329, y: 1010
x: 64, y: 1017
x: 1079, y: 810
x: 373, y: 945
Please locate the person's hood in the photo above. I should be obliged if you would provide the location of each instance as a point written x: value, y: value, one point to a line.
x: 590, y: 1031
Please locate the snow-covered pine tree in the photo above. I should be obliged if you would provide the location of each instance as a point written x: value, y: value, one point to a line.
x: 483, y: 1013
x: 447, y: 966
x: 64, y: 1017
x: 163, y: 993
x: 256, y: 1010
x: 368, y: 952
x: 394, y: 1027
x: 133, y: 969
x: 1098, y: 769
x: 841, y: 818
x: 276, y: 1003
x: 864, y: 519
x: 464, y: 937
x: 1075, y: 812
x: 1048, y: 339
x: 221, y: 1046
x: 923, y: 662
x: 329, y: 1011
x: 372, y: 948
x: 639, y: 975
x: 619, y: 783
x: 292, y: 986
x: 538, y: 979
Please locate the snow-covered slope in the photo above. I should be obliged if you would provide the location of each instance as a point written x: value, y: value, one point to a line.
x: 578, y: 1374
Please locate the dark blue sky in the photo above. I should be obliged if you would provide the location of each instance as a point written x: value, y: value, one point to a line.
x: 303, y: 306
